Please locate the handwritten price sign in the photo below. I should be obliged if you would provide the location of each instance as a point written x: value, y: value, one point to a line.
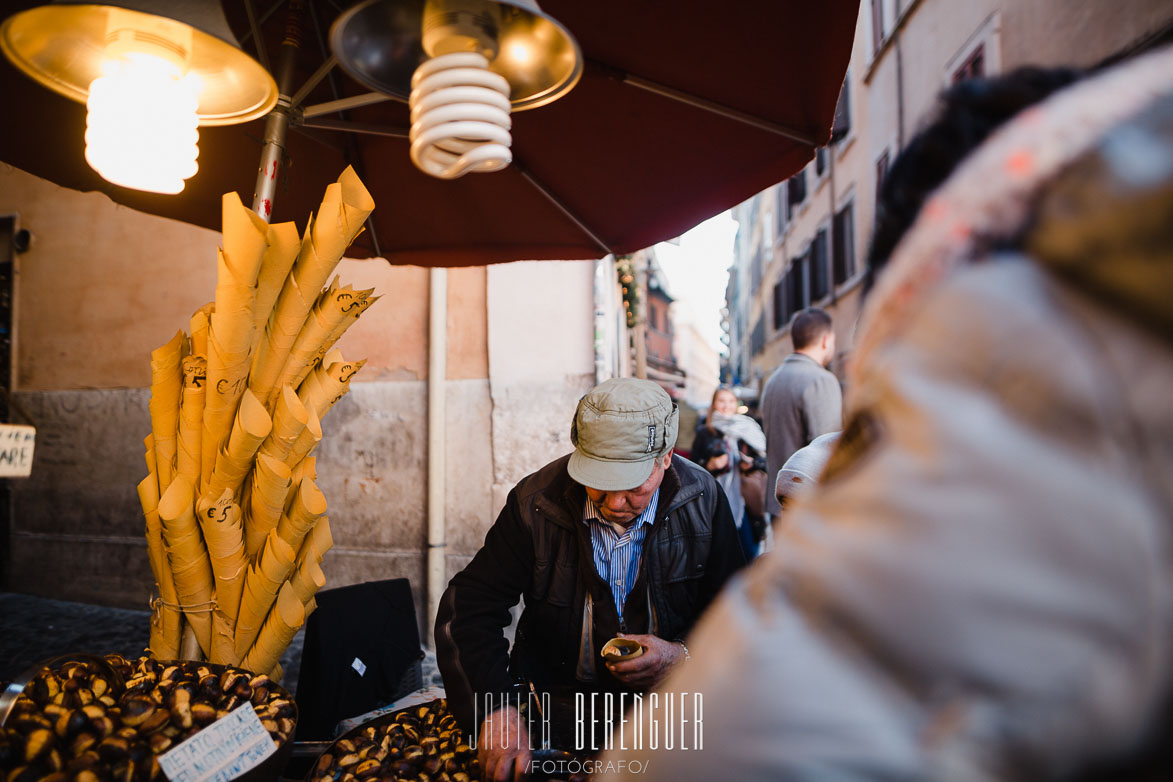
x: 16, y: 450
x: 222, y: 751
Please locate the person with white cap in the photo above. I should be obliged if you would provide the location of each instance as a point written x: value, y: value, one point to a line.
x: 801, y: 472
x: 619, y: 538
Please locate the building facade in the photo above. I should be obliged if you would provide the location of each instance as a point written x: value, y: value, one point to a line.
x: 804, y: 242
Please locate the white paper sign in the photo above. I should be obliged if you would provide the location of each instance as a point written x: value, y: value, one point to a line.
x: 222, y: 751
x: 16, y: 450
x: 359, y: 666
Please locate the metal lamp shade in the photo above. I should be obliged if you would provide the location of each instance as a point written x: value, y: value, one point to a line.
x: 62, y: 46
x: 378, y: 42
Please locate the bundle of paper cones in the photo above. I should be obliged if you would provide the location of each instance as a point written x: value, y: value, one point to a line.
x: 236, y: 527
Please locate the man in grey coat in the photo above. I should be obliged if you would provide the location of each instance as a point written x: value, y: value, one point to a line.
x: 802, y: 400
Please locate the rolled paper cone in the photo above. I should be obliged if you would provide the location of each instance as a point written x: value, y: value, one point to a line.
x: 200, y: 321
x: 188, y: 559
x: 329, y: 311
x: 307, y: 579
x: 277, y: 673
x: 223, y: 531
x: 149, y: 446
x: 317, y: 543
x: 284, y: 244
x: 309, y: 505
x: 327, y: 384
x: 223, y: 640
x: 289, y: 313
x: 310, y: 607
x: 283, y: 622
x: 245, y: 236
x: 166, y: 384
x: 306, y: 468
x: 289, y: 421
x: 166, y: 621
x: 307, y: 440
x: 270, y: 484
x: 227, y: 381
x: 345, y: 207
x: 189, y: 646
x: 250, y: 429
x: 363, y: 305
x: 191, y: 418
x: 261, y: 583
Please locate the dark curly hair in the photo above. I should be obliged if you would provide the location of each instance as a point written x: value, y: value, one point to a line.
x: 966, y: 115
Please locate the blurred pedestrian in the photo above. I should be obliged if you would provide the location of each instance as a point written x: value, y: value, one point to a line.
x: 801, y: 400
x: 732, y: 448
x: 979, y: 587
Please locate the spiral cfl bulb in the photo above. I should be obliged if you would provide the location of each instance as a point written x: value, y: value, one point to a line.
x: 459, y: 116
x: 142, y: 125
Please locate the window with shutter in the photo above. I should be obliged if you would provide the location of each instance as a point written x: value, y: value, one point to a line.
x: 780, y: 313
x: 820, y: 272
x: 843, y: 245
x: 820, y: 161
x: 841, y: 127
x: 795, y: 191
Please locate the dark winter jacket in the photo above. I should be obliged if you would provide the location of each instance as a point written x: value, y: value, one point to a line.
x: 540, y: 548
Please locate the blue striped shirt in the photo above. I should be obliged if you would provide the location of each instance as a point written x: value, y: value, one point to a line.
x: 617, y: 550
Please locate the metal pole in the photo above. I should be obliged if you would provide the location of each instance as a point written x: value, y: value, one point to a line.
x: 640, y: 333
x: 277, y: 123
x: 437, y: 440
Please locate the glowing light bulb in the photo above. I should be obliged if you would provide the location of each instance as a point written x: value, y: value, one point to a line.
x: 141, y: 124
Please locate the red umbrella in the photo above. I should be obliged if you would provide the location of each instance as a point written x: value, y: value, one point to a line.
x: 684, y: 109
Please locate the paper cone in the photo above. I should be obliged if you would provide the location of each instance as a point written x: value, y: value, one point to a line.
x: 344, y: 209
x: 149, y: 445
x: 223, y: 530
x: 166, y: 383
x: 200, y: 321
x: 316, y: 544
x: 191, y: 418
x: 251, y: 428
x: 363, y: 305
x: 188, y: 559
x: 261, y: 584
x: 306, y: 468
x: 245, y: 236
x: 281, y: 330
x: 223, y: 639
x: 284, y: 245
x: 309, y: 504
x: 166, y: 621
x: 282, y: 624
x: 328, y: 383
x: 277, y: 673
x: 267, y: 491
x: 310, y: 607
x: 307, y: 579
x: 332, y: 310
x: 289, y: 421
x: 307, y: 440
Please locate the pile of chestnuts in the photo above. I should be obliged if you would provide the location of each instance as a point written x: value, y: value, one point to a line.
x: 419, y: 744
x: 78, y: 723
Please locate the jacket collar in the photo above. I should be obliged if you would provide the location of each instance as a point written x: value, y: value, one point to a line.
x: 563, y: 499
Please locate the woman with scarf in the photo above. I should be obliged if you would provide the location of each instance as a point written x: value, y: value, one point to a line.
x: 733, y: 447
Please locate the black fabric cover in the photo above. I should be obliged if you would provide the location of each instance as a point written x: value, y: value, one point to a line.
x: 374, y: 622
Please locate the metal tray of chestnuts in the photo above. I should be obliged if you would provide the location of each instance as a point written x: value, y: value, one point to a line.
x: 83, y: 718
x: 416, y: 743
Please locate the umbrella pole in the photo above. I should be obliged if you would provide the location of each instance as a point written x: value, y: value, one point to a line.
x: 277, y: 123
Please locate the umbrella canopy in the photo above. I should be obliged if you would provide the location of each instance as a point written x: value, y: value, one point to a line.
x: 634, y: 154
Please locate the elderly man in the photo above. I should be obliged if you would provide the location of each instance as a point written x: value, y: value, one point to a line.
x: 620, y: 537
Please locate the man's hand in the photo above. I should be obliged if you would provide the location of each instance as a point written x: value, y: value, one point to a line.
x: 647, y: 670
x: 503, y: 747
